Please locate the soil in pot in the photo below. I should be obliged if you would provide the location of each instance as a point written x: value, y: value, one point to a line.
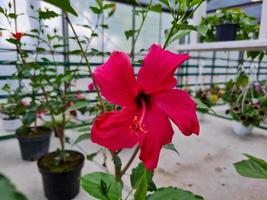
x: 34, y: 143
x: 226, y: 32
x: 61, y: 180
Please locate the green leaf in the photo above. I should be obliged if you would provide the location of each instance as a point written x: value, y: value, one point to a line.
x: 242, y: 80
x: 96, y: 10
x: 105, y: 26
x: 12, y: 15
x: 85, y: 128
x: 171, y: 147
x: 64, y: 5
x: 29, y: 118
x: 82, y: 137
x: 156, y: 8
x: 252, y: 167
x: 102, y: 186
x: 47, y: 14
x: 99, y: 3
x: 8, y: 190
x: 129, y: 33
x: 203, y: 107
x: 141, y: 190
x: 137, y: 174
x: 12, y: 41
x: 173, y: 194
x: 77, y: 105
x: 166, y: 3
x: 179, y: 35
x: 2, y: 10
x: 92, y: 156
x: 203, y: 29
x: 117, y: 163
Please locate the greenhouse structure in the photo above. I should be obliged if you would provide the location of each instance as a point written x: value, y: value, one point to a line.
x: 133, y: 99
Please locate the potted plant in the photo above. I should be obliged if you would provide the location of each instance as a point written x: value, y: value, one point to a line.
x: 60, y: 169
x: 205, y: 97
x: 247, y: 104
x: 11, y: 110
x: 229, y: 24
x: 33, y: 137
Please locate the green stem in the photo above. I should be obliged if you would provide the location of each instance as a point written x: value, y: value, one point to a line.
x: 103, y: 108
x: 180, y: 19
x: 140, y: 28
x: 128, y: 164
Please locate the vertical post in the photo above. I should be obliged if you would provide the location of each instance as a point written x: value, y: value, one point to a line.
x: 212, y: 68
x: 263, y: 25
x: 197, y: 17
x: 160, y: 27
x: 133, y: 28
x: 103, y: 38
x: 66, y: 49
x: 65, y: 33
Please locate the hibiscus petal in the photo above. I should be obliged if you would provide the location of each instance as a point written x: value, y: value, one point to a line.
x: 116, y: 79
x: 180, y: 108
x: 112, y: 130
x: 158, y: 133
x: 158, y: 70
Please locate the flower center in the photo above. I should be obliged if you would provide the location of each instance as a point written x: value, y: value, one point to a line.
x: 137, y: 125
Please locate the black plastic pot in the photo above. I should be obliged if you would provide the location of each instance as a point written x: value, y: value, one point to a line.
x: 34, y: 146
x: 226, y: 32
x: 61, y: 185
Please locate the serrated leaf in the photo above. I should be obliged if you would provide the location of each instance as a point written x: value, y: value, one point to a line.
x: 171, y: 147
x: 93, y: 184
x: 64, y: 5
x: 174, y: 194
x: 252, y: 167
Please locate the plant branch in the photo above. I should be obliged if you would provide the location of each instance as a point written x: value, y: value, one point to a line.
x: 103, y: 108
x: 123, y: 171
x: 140, y: 28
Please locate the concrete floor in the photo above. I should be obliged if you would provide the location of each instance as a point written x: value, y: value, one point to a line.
x: 204, y: 165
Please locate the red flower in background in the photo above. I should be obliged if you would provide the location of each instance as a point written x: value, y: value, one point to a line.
x: 24, y: 103
x: 79, y: 96
x: 72, y: 112
x: 91, y: 87
x: 147, y: 102
x: 17, y: 35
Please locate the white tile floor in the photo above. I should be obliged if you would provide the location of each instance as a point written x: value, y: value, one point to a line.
x: 204, y: 165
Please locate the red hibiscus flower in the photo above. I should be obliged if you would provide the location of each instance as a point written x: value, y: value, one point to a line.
x: 17, y: 35
x: 148, y: 102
